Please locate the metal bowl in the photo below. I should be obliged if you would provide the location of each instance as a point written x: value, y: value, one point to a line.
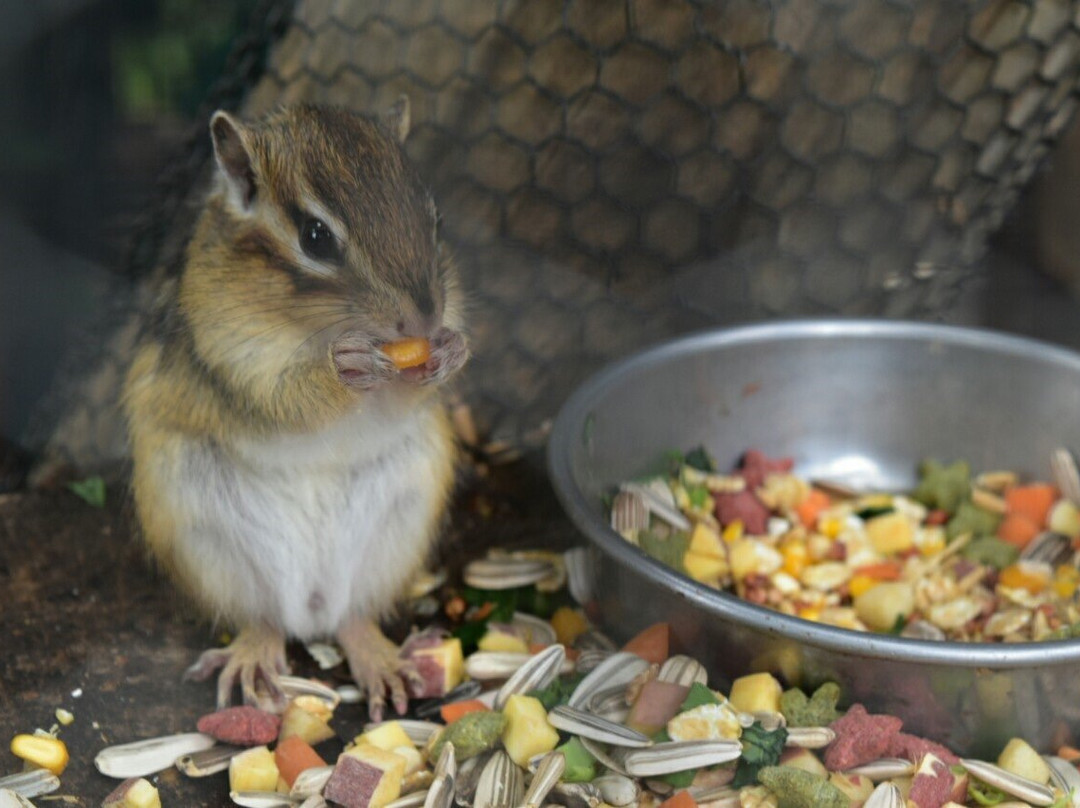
x: 852, y: 401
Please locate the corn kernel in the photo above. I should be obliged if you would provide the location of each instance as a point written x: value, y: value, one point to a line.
x: 795, y: 557
x: 810, y: 613
x: 1032, y: 576
x: 1066, y: 581
x: 861, y: 583
x: 930, y: 540
x: 41, y: 750
x: 733, y: 532
x: 830, y: 526
x: 65, y: 717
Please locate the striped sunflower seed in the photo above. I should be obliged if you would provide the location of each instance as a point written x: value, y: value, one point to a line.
x: 587, y: 725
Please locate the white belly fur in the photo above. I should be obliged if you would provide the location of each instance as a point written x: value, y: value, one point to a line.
x: 303, y: 531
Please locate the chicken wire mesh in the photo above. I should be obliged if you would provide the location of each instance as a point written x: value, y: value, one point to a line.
x: 612, y: 173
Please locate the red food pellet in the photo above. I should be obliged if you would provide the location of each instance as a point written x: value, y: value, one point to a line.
x: 241, y: 726
x: 860, y: 738
x: 913, y: 748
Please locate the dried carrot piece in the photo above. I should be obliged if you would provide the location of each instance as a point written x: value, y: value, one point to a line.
x: 651, y: 644
x: 680, y: 799
x: 293, y: 755
x: 811, y: 507
x: 881, y: 570
x: 452, y: 711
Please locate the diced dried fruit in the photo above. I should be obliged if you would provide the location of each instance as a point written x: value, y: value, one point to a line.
x: 882, y: 605
x: 502, y: 637
x: 241, y: 726
x: 296, y: 721
x: 365, y: 777
x: 386, y: 735
x: 253, y: 769
x: 1020, y: 758
x: 756, y: 692
x: 41, y: 750
x: 409, y: 352
x: 569, y: 624
x: 857, y: 787
x: 442, y: 668
x: 651, y: 644
x: 705, y: 721
x: 527, y: 731
x: 133, y: 793
x: 657, y: 702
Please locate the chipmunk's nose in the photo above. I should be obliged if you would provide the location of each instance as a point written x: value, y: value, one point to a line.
x: 425, y: 318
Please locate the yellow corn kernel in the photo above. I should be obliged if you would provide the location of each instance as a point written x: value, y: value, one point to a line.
x: 568, y: 624
x: 41, y: 750
x: 1066, y: 581
x: 733, y: 532
x: 810, y: 613
x: 796, y: 557
x: 1025, y: 575
x: 830, y: 526
x: 931, y: 540
x: 861, y: 583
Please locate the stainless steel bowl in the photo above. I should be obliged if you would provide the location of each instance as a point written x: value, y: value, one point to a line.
x: 855, y: 401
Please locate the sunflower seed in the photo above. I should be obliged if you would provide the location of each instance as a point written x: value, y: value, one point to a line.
x: 491, y: 665
x: 1066, y: 475
x: 768, y: 719
x: 988, y: 501
x: 1022, y: 787
x: 501, y: 783
x: 885, y: 795
x: 617, y: 789
x: 589, y: 659
x: 619, y: 668
x: 326, y: 656
x: 538, y: 632
x: 922, y: 630
x: 441, y: 793
x: 659, y: 500
x: 1065, y: 776
x: 629, y: 514
x: 349, y: 694
x: 577, y: 795
x: 141, y: 758
x: 883, y: 769
x: 594, y: 639
x: 31, y: 783
x: 549, y: 770
x: 468, y: 776
x: 587, y: 725
x: 314, y: 801
x: 683, y: 670
x: 537, y: 673
x: 413, y: 799
x: 810, y: 737
x: 262, y: 799
x: 208, y: 761
x: 12, y: 799
x: 446, y: 765
x: 676, y: 756
x: 580, y: 574
x: 505, y: 572
x: 294, y: 686
x: 1053, y: 548
x: 311, y: 781
x: 419, y: 732
x: 716, y: 796
x: 610, y: 704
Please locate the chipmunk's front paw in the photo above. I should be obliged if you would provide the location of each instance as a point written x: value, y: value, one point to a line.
x: 359, y: 362
x: 449, y: 353
x: 377, y: 667
x: 255, y: 660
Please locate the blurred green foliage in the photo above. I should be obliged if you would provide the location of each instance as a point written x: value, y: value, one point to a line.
x: 164, y: 61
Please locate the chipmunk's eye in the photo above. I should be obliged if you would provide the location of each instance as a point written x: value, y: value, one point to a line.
x: 318, y: 241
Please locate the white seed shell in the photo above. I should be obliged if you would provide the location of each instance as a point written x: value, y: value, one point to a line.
x: 31, y: 783
x: 501, y: 783
x: 12, y: 799
x: 1022, y: 787
x: 311, y: 781
x: 535, y: 674
x: 675, y: 756
x: 883, y: 769
x: 143, y: 758
x: 587, y: 725
x: 505, y: 572
x: 885, y: 795
x: 548, y: 771
x: 262, y: 799
x: 683, y: 670
x: 619, y: 668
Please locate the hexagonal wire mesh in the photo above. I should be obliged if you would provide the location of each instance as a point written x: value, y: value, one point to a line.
x: 610, y: 173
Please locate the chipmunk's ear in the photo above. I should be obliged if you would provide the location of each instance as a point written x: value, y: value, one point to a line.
x: 397, y: 118
x: 233, y: 155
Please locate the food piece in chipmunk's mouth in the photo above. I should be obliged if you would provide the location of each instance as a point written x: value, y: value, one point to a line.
x: 406, y: 353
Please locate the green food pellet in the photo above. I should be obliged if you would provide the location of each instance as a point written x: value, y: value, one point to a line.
x: 471, y: 734
x: 818, y: 710
x: 970, y: 518
x: 795, y: 788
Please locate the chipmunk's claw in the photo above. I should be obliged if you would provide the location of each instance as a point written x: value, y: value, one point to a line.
x: 255, y: 660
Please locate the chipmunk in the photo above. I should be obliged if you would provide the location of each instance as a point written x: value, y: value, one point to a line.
x: 286, y: 472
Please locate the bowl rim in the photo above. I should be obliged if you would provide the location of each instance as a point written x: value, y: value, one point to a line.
x: 573, y: 416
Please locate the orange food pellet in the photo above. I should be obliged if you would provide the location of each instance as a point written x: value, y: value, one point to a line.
x: 294, y: 755
x: 811, y: 507
x: 454, y: 710
x: 409, y: 352
x: 1017, y: 529
x: 1033, y: 501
